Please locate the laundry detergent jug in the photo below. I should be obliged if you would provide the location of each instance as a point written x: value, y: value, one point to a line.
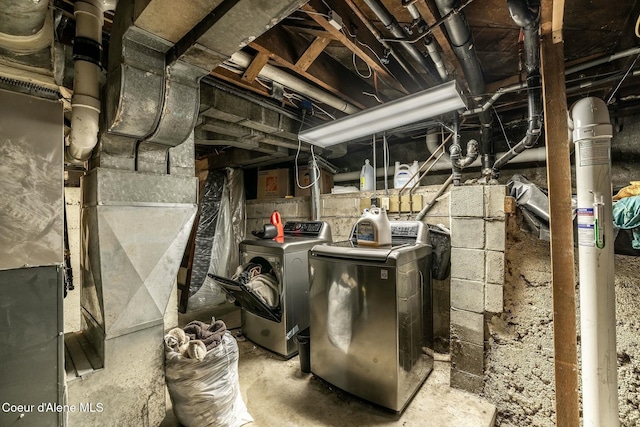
x: 402, y: 175
x: 373, y: 228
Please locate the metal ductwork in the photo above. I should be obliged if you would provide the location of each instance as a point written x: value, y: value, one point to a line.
x: 461, y: 41
x: 392, y: 25
x: 528, y: 19
x: 141, y: 175
x: 25, y: 26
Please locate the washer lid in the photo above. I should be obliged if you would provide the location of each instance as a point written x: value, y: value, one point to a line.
x: 348, y: 250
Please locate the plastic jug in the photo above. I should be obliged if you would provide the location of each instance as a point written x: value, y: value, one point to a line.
x: 373, y: 228
x: 414, y: 172
x: 402, y: 175
x: 366, y: 177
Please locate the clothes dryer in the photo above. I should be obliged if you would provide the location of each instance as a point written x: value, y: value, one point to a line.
x: 279, y: 268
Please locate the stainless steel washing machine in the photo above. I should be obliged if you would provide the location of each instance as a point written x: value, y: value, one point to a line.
x: 274, y: 327
x: 371, y: 315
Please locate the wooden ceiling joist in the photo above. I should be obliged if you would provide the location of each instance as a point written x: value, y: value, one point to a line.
x: 252, y: 71
x: 323, y: 71
x: 373, y: 62
x: 312, y: 52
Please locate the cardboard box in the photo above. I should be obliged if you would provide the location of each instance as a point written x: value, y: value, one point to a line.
x: 273, y: 183
x: 304, y: 178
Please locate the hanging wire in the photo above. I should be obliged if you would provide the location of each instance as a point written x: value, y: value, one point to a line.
x: 374, y: 96
x: 355, y: 67
x: 313, y: 156
x: 502, y: 127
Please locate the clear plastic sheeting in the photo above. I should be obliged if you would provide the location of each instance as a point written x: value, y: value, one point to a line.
x: 220, y: 230
x: 533, y: 203
x: 206, y: 393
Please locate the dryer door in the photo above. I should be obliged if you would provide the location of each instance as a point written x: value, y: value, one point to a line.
x: 255, y: 287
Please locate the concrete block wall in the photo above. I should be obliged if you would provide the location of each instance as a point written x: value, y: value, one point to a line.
x: 477, y: 276
x: 341, y: 211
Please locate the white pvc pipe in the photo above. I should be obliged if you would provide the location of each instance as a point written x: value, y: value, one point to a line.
x: 531, y: 155
x: 85, y: 103
x: 277, y: 75
x: 592, y: 136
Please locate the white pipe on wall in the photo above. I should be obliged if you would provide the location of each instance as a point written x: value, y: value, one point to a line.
x: 592, y: 137
x: 85, y: 104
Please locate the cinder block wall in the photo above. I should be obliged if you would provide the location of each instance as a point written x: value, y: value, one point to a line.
x: 477, y: 276
x: 341, y: 211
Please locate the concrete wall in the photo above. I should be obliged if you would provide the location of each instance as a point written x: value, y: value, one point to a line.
x: 477, y: 276
x: 519, y: 354
x: 341, y: 211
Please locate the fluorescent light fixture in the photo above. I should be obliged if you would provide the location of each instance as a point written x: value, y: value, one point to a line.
x: 410, y: 109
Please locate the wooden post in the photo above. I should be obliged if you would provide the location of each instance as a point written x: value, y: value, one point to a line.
x: 561, y: 222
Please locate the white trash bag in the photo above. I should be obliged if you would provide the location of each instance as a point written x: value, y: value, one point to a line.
x: 206, y: 393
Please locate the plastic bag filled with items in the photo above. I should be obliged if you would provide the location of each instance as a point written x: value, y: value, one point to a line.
x: 201, y: 368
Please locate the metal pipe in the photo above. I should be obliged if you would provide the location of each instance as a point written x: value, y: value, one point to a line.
x: 270, y: 72
x: 399, y: 58
x: 373, y: 142
x: 592, y: 136
x: 603, y: 60
x: 429, y: 205
x: 85, y: 103
x: 464, y: 48
x: 436, y: 58
x: 533, y: 155
x: 314, y: 175
x: 528, y: 19
x: 392, y: 25
x: 586, y: 65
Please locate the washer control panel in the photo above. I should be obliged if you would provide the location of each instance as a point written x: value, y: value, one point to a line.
x: 310, y: 228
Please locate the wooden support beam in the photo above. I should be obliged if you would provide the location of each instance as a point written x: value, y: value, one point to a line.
x: 231, y: 77
x: 557, y: 20
x: 252, y: 71
x: 560, y: 223
x: 312, y: 52
x: 364, y: 55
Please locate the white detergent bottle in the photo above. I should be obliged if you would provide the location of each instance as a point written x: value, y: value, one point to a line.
x: 373, y: 228
x: 414, y: 172
x: 402, y: 175
x: 366, y: 177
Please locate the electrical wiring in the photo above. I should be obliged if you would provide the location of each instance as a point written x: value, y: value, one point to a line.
x: 355, y: 67
x: 313, y: 156
x: 374, y: 96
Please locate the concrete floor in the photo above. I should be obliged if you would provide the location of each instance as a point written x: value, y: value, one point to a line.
x: 278, y: 394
